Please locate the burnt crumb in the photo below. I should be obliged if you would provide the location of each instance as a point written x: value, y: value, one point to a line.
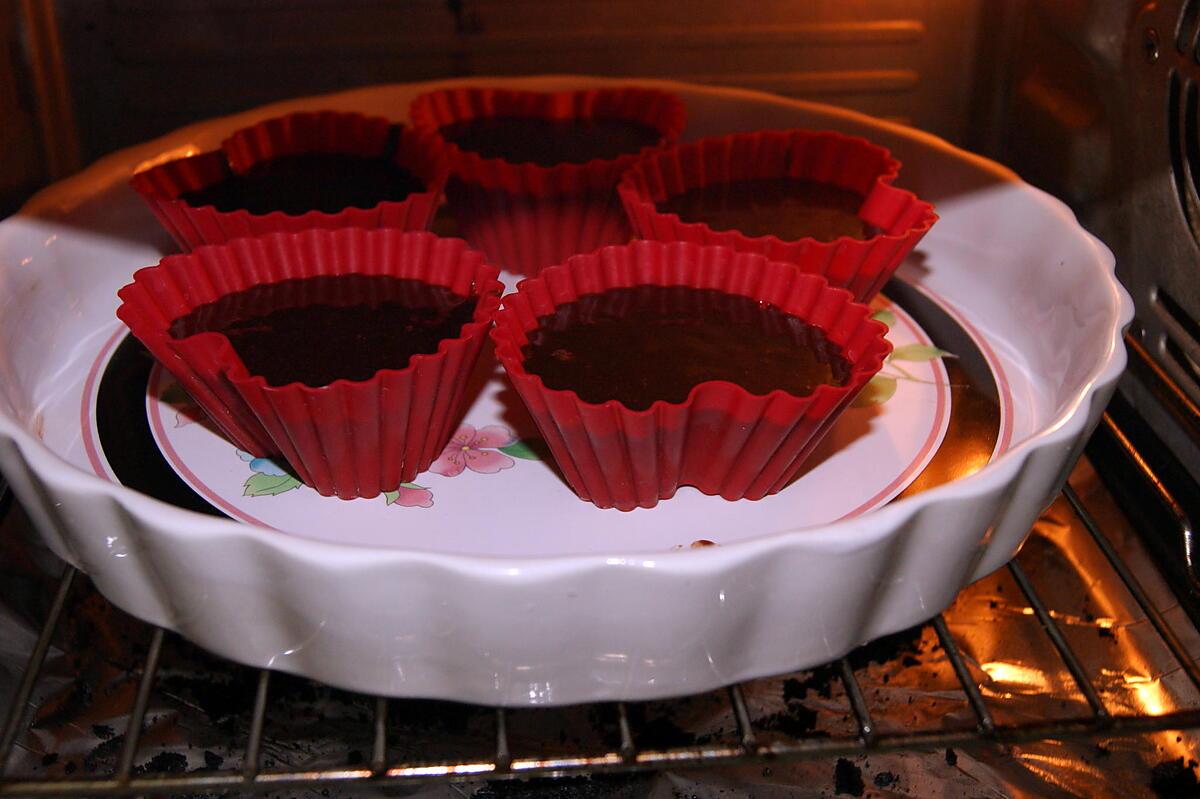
x: 888, y: 648
x: 220, y: 699
x: 847, y: 778
x: 104, y: 754
x: 212, y: 760
x: 1102, y: 750
x: 951, y: 757
x: 1106, y: 632
x: 797, y: 721
x: 597, y: 786
x: 659, y: 732
x: 1172, y: 778
x: 993, y: 604
x: 885, y: 779
x: 103, y: 731
x: 819, y: 681
x: 168, y: 762
x: 50, y: 759
x: 662, y: 733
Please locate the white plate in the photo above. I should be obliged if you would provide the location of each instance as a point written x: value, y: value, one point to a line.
x: 494, y: 597
x: 505, y: 501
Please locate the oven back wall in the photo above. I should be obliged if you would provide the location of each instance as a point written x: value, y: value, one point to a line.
x: 139, y: 68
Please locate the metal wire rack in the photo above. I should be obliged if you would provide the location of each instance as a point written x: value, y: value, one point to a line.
x: 624, y: 755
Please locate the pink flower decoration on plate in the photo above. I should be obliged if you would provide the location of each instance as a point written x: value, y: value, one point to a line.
x: 476, y: 450
x: 410, y: 495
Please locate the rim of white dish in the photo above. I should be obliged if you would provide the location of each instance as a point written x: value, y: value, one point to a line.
x: 844, y: 535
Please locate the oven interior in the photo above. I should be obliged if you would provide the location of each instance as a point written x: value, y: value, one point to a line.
x: 1074, y: 669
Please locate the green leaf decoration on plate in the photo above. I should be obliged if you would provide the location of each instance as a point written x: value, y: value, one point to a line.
x: 174, y: 394
x: 521, y: 449
x: 887, y: 317
x: 918, y: 352
x: 409, y: 495
x: 878, y: 391
x: 392, y: 496
x: 268, y: 485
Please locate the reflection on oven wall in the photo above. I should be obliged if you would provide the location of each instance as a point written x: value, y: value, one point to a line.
x: 1103, y: 110
x: 139, y: 68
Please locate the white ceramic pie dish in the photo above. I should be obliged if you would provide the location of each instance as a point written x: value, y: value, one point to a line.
x: 573, y: 624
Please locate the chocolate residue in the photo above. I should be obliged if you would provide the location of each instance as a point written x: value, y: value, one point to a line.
x: 641, y: 344
x: 296, y: 184
x: 163, y: 762
x: 1175, y: 779
x: 885, y: 779
x: 320, y: 329
x: 788, y: 208
x: 847, y: 778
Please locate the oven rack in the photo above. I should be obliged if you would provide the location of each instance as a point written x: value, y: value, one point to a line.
x: 624, y: 755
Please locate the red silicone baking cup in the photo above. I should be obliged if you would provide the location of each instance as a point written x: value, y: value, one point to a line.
x: 526, y: 216
x: 348, y: 438
x: 294, y: 134
x: 723, y: 439
x: 861, y: 266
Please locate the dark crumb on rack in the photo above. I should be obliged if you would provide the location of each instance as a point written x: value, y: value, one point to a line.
x: 1173, y: 778
x: 797, y: 721
x: 888, y: 648
x: 951, y: 757
x: 593, y: 787
x: 169, y: 762
x: 1102, y: 750
x: 104, y: 755
x: 103, y: 731
x: 1106, y: 632
x: 885, y: 779
x: 212, y: 760
x: 847, y: 778
x: 662, y: 733
x: 818, y: 680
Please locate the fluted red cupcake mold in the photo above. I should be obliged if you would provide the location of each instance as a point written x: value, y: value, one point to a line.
x: 722, y: 439
x: 861, y: 266
x: 295, y: 134
x: 347, y: 438
x: 526, y: 216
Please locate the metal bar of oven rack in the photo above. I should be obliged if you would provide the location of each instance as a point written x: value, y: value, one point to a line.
x: 625, y: 756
